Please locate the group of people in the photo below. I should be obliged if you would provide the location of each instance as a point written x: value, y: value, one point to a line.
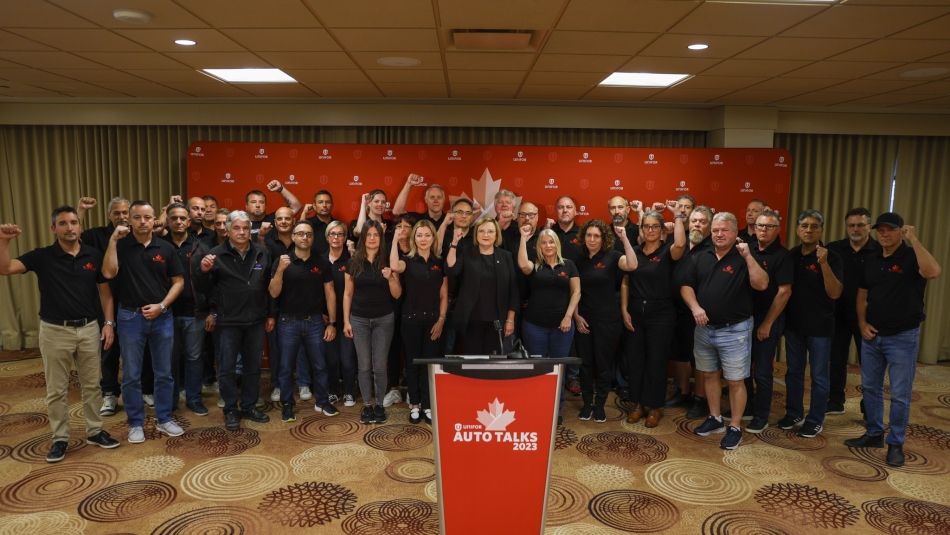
x: 190, y: 294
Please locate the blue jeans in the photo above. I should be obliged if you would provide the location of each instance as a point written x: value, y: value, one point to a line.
x: 547, y: 342
x: 159, y: 334
x: 815, y: 350
x: 189, y: 343
x: 273, y: 357
x: 293, y: 335
x: 896, y: 354
x: 248, y: 342
x: 763, y: 360
x: 728, y: 348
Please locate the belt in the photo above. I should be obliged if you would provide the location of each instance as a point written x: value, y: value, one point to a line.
x: 82, y: 322
x: 717, y: 326
x: 301, y: 317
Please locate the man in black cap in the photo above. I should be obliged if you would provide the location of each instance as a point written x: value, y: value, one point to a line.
x: 890, y: 307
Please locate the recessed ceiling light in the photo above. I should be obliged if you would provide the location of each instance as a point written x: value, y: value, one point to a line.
x: 185, y: 42
x: 642, y: 79
x: 926, y: 72
x: 133, y: 16
x: 698, y: 46
x: 251, y: 76
x: 398, y: 61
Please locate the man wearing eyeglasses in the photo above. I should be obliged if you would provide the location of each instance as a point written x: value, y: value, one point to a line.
x: 528, y: 216
x: 280, y: 243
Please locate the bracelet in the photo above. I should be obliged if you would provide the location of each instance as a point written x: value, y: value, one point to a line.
x: 511, y: 322
x: 451, y: 245
x: 108, y: 323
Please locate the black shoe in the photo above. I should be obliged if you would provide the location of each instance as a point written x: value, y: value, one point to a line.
x: 255, y: 415
x: 732, y: 439
x: 101, y: 439
x: 57, y: 451
x: 866, y: 441
x: 326, y: 408
x: 809, y: 430
x: 231, y: 421
x: 367, y: 416
x: 415, y: 415
x: 623, y: 394
x: 676, y: 400
x: 757, y: 426
x: 380, y: 414
x: 287, y: 413
x: 698, y: 409
x: 586, y: 412
x: 198, y: 408
x: 895, y: 455
x: 835, y: 407
x: 789, y: 422
x: 599, y: 414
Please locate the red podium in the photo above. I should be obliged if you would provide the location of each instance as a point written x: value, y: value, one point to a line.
x: 494, y: 423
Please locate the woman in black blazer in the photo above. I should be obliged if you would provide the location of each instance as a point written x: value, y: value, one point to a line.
x: 488, y: 291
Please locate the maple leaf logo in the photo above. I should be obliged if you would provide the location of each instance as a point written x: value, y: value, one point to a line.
x: 89, y: 266
x: 812, y: 267
x: 728, y: 269
x: 315, y: 269
x: 159, y: 259
x: 496, y: 418
x: 896, y: 269
x: 483, y: 191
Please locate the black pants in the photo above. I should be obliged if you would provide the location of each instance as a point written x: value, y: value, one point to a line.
x: 647, y: 349
x: 840, y: 346
x: 395, y: 358
x: 479, y: 338
x: 418, y: 343
x: 596, y: 350
x: 247, y: 341
x: 761, y: 382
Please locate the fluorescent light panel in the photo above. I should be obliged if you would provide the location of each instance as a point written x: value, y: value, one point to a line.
x: 642, y: 79
x: 251, y: 76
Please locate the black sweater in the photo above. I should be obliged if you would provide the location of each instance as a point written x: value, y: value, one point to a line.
x: 469, y: 271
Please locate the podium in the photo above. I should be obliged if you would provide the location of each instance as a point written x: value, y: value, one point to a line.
x: 494, y: 422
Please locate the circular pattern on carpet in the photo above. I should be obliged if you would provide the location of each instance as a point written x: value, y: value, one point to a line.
x: 127, y: 501
x: 685, y: 427
x: 55, y: 484
x: 667, y: 426
x: 935, y: 387
x: 226, y: 480
x: 153, y: 467
x: 403, y: 516
x: 771, y: 464
x: 323, y: 430
x: 604, y: 477
x: 900, y: 516
x: 21, y: 367
x: 634, y: 511
x: 38, y: 380
x: 578, y: 528
x: 12, y: 471
x: 914, y: 461
x: 745, y: 523
x: 34, y: 450
x: 22, y: 422
x: 339, y: 463
x: 697, y: 482
x: 564, y: 438
x: 5, y: 451
x: 931, y: 489
x: 219, y: 520
x: 805, y: 505
x: 4, y: 408
x: 432, y: 491
x: 852, y: 468
x: 412, y: 470
x: 944, y: 399
x: 941, y: 412
x: 620, y: 447
x: 842, y: 425
x: 307, y: 504
x: 790, y: 441
x: 931, y: 436
x: 31, y: 405
x: 398, y: 437
x: 56, y: 522
x: 150, y: 427
x: 213, y: 442
x: 567, y: 501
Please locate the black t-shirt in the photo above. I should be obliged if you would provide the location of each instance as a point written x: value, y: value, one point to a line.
x: 810, y: 312
x: 421, y: 284
x: 98, y: 237
x: 189, y: 254
x: 145, y: 272
x: 338, y: 272
x: 486, y: 308
x: 653, y: 279
x: 570, y: 241
x: 511, y: 239
x: 419, y: 216
x: 751, y: 238
x: 600, y: 284
x: 550, y: 293
x: 275, y: 247
x: 775, y: 261
x: 895, y: 291
x: 320, y: 243
x: 256, y: 225
x: 302, y: 290
x: 633, y: 232
x: 67, y: 283
x: 371, y: 295
x: 853, y: 262
x: 721, y: 285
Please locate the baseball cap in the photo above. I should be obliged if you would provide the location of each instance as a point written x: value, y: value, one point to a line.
x: 891, y: 219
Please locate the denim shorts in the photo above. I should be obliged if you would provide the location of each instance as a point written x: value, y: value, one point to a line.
x: 728, y: 348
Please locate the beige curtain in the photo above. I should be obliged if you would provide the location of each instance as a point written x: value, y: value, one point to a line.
x: 46, y: 166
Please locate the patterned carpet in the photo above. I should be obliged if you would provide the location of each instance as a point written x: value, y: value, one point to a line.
x: 333, y: 475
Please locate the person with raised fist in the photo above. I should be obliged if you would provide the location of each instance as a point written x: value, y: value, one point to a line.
x: 73, y: 295
x: 434, y: 198
x: 620, y: 209
x: 255, y: 206
x: 280, y: 241
x: 373, y: 207
x: 319, y: 214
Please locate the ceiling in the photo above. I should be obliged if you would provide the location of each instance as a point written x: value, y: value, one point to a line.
x: 851, y: 55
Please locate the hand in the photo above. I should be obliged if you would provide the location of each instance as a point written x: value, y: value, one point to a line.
x: 763, y: 332
x: 307, y: 210
x: 269, y: 325
x: 436, y: 331
x: 582, y: 326
x: 414, y: 179
x: 401, y: 233
x: 329, y: 333
x: 672, y: 205
x: 347, y: 330
x: 120, y: 232
x: 700, y: 317
x: 627, y: 320
x: 548, y: 223
x: 210, y: 322
x: 821, y: 253
x: 351, y: 247
x: 743, y: 248
x: 9, y: 231
x: 668, y: 227
x: 621, y: 233
x: 387, y: 272
x: 86, y: 203
x: 449, y: 217
x: 207, y: 262
x: 565, y: 324
x: 364, y: 198
x: 274, y: 185
x: 509, y: 328
x: 282, y: 263
x: 456, y: 236
x: 173, y: 199
x: 659, y: 206
x: 909, y: 233
x: 636, y: 206
x: 107, y: 336
x: 152, y: 311
x: 868, y: 332
x: 525, y: 231
x: 265, y: 228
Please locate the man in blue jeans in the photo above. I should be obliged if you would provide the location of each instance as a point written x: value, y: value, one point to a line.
x: 149, y: 276
x: 890, y: 309
x: 810, y: 325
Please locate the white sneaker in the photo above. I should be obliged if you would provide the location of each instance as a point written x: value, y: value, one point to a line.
x: 275, y: 395
x: 136, y: 435
x: 333, y: 399
x: 149, y: 399
x: 210, y: 389
x: 109, y: 405
x: 181, y: 397
x: 305, y: 393
x: 349, y: 400
x: 392, y: 397
x: 170, y: 428
x: 220, y: 403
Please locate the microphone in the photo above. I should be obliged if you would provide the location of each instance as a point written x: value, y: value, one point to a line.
x: 501, y: 338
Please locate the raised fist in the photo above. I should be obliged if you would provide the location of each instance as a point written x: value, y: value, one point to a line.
x: 401, y: 232
x: 283, y: 262
x: 9, y: 231
x: 387, y: 272
x: 207, y: 262
x: 457, y: 235
x: 274, y: 185
x: 548, y: 223
x: 743, y: 248
x: 86, y: 203
x: 821, y: 253
x: 415, y: 180
x: 636, y: 206
x: 307, y: 210
x: 621, y: 232
x: 909, y: 232
x: 449, y: 218
x: 265, y: 228
x: 525, y: 231
x: 174, y: 198
x: 364, y: 198
x: 120, y: 232
x: 659, y: 206
x: 672, y: 205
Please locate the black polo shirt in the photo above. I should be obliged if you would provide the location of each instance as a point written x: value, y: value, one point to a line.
x: 633, y: 234
x: 895, y: 291
x: 320, y: 243
x: 752, y: 239
x: 419, y: 216
x: 256, y: 225
x: 511, y: 239
x: 421, y: 283
x: 653, y: 279
x: 189, y: 254
x: 775, y: 261
x: 853, y: 262
x: 145, y: 272
x: 338, y: 272
x: 810, y: 312
x: 67, y: 283
x: 721, y: 285
x: 550, y: 293
x: 204, y: 235
x: 570, y: 241
x: 98, y: 237
x: 371, y: 295
x: 600, y: 283
x: 679, y: 275
x: 275, y: 247
x: 302, y: 292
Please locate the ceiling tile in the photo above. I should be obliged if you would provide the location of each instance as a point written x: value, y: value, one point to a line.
x: 875, y: 21
x: 623, y: 43
x: 488, y: 61
x: 939, y: 59
x: 938, y: 88
x: 938, y: 28
x: 252, y: 13
x: 731, y: 83
x: 327, y: 75
x: 628, y: 94
x: 279, y: 90
x: 624, y: 15
x: 373, y: 14
x: 841, y: 70
x: 872, y: 86
x: 942, y: 102
x: 587, y: 79
x: 887, y: 99
x: 579, y: 63
x: 164, y: 14
x: 368, y: 60
x: 896, y: 50
x: 143, y: 89
x: 77, y: 40
x: 284, y: 39
x: 748, y: 97
x: 682, y: 93
x: 221, y: 60
x: 133, y: 60
x: 405, y: 76
x: 546, y: 91
x: 720, y: 46
x: 345, y: 90
x: 79, y: 89
x: 164, y: 40
x: 803, y: 48
x: 499, y: 14
x: 26, y: 76
x: 22, y: 14
x: 895, y: 73
x: 753, y: 67
x: 23, y: 90
x: 487, y: 77
x: 822, y: 98
x: 680, y: 65
x: 11, y: 41
x: 182, y: 75
x: 49, y: 60
x: 101, y: 76
x: 743, y: 19
x: 308, y: 60
x: 487, y: 91
x: 210, y: 88
x: 411, y: 90
x: 363, y: 39
x: 794, y: 85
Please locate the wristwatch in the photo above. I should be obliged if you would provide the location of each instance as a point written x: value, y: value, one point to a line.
x: 110, y: 323
x: 162, y: 307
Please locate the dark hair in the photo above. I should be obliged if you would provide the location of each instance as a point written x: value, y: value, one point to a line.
x: 140, y: 203
x: 302, y: 222
x: 605, y: 232
x: 254, y: 192
x: 358, y: 259
x: 462, y: 200
x: 771, y: 213
x: 207, y: 198
x: 812, y: 213
x: 407, y: 217
x: 323, y: 192
x: 858, y: 211
x: 64, y: 209
x: 688, y: 197
x: 172, y: 206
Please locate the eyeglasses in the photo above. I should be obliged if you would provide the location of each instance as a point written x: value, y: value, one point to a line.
x: 528, y: 215
x: 464, y: 213
x: 651, y: 227
x: 336, y: 234
x: 761, y: 226
x: 303, y: 234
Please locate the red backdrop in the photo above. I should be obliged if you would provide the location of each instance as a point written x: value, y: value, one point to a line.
x: 725, y: 179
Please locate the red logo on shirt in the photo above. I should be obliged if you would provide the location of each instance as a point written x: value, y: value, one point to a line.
x: 562, y: 274
x: 436, y: 267
x: 765, y: 264
x: 655, y: 259
x: 89, y: 266
x: 728, y: 269
x: 343, y: 268
x: 895, y: 269
x: 812, y: 267
x: 315, y: 269
x: 158, y: 259
x: 600, y: 265
x: 575, y: 241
